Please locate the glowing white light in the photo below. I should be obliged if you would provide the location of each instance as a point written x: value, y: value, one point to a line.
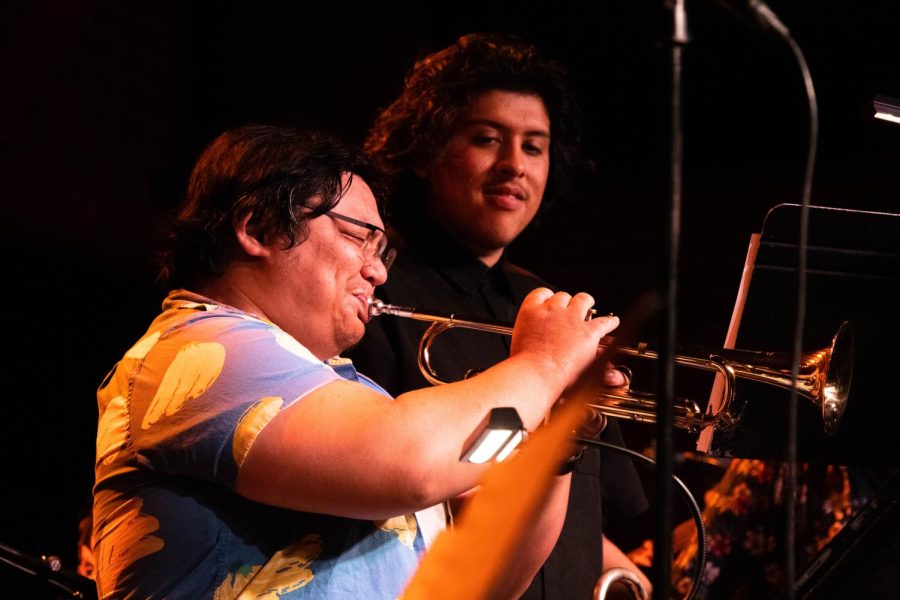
x: 489, y: 444
x: 887, y: 117
x: 511, y: 445
x: 497, y: 436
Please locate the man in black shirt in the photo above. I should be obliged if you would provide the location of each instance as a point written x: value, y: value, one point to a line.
x: 484, y: 136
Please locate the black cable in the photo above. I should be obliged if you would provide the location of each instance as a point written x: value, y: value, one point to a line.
x: 771, y: 22
x: 689, y: 500
x: 800, y: 321
x: 758, y: 12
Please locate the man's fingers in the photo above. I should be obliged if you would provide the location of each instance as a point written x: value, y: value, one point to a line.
x: 617, y: 376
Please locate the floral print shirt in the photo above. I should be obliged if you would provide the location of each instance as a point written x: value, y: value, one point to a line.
x: 744, y: 516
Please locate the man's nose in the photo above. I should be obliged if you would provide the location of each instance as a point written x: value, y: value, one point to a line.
x: 375, y: 270
x: 511, y: 160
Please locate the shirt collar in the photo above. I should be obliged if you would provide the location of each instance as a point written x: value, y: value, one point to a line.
x: 455, y: 262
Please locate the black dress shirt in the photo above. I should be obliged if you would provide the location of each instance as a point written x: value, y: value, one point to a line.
x: 437, y: 274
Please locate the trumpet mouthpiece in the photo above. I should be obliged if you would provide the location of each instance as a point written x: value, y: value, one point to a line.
x: 376, y: 306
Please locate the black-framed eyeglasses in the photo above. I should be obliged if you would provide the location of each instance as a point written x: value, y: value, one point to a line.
x: 375, y: 245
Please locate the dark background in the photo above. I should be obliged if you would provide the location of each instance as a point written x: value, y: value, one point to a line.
x: 106, y: 104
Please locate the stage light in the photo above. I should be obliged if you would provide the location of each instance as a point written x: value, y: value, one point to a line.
x: 886, y: 109
x: 496, y: 437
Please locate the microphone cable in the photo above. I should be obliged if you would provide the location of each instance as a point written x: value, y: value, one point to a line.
x: 762, y: 16
x: 696, y: 515
x: 774, y: 24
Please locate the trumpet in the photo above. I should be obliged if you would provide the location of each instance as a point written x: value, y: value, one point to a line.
x: 824, y: 375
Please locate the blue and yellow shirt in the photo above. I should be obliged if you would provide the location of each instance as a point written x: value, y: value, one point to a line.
x: 178, y: 415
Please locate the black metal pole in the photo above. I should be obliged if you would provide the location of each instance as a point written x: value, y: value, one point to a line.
x: 46, y: 569
x: 662, y: 544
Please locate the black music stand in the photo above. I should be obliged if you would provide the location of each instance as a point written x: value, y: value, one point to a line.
x: 853, y: 275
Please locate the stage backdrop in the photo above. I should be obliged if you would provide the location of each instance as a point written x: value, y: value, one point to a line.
x: 106, y: 104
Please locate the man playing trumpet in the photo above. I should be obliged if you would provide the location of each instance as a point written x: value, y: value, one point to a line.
x: 239, y: 456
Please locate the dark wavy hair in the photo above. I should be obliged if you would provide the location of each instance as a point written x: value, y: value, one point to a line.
x: 280, y: 176
x: 438, y: 90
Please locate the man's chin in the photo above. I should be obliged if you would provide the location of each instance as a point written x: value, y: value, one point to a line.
x: 351, y: 340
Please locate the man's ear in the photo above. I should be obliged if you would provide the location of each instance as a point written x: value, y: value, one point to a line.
x: 248, y: 238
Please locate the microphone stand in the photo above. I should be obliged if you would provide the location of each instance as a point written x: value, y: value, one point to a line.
x: 48, y: 569
x: 662, y: 541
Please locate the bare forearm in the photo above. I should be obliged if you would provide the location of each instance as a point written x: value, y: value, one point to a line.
x: 535, y: 544
x: 613, y: 557
x: 371, y: 457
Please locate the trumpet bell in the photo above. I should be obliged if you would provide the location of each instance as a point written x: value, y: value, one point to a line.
x: 835, y: 377
x: 823, y: 378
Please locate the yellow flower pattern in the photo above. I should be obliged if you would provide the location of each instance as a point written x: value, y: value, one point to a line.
x: 194, y: 369
x: 235, y: 582
x: 251, y: 424
x: 404, y: 527
x: 122, y: 540
x: 288, y: 570
x: 112, y: 432
x: 140, y: 350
